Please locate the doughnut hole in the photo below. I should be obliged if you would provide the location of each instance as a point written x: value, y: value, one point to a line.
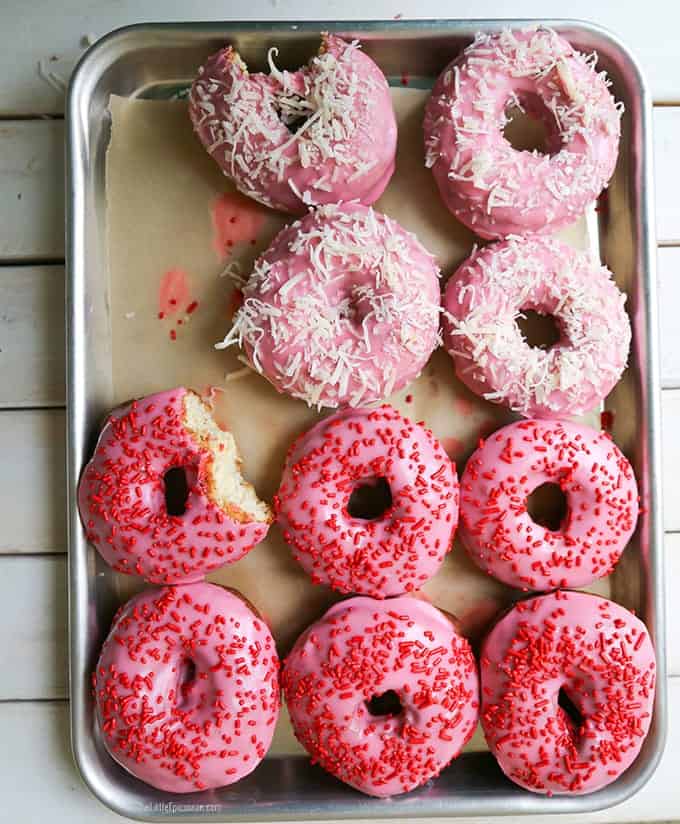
x: 293, y: 111
x: 539, y: 330
x: 176, y: 490
x: 529, y: 126
x: 547, y: 506
x: 370, y: 499
x: 186, y: 679
x: 385, y: 704
x: 570, y: 713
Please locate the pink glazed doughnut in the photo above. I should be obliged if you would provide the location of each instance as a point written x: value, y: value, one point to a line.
x: 488, y: 185
x: 401, y: 541
x: 601, y: 505
x: 382, y: 694
x: 187, y: 688
x: 123, y: 492
x: 568, y: 684
x: 341, y: 310
x: 489, y: 292
x: 324, y: 134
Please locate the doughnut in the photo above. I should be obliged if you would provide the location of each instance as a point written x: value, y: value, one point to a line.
x: 493, y: 188
x: 187, y: 688
x: 382, y: 694
x: 324, y: 134
x: 341, y: 310
x: 408, y: 517
x: 148, y: 447
x: 494, y: 287
x: 567, y: 692
x: 599, y: 490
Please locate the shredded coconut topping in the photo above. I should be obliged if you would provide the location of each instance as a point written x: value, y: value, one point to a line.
x: 342, y: 309
x: 487, y: 295
x: 538, y: 71
x: 323, y: 119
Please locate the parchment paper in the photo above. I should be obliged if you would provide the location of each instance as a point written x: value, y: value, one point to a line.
x: 162, y: 188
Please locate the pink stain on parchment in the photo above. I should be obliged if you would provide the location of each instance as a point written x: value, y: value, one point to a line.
x: 235, y: 219
x: 453, y: 447
x: 173, y: 292
x: 463, y: 406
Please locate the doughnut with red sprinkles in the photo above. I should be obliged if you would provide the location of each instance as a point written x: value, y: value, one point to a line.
x: 382, y: 694
x: 187, y: 688
x: 568, y: 685
x: 123, y: 496
x: 326, y: 133
x: 493, y: 188
x: 399, y: 537
x: 600, y: 492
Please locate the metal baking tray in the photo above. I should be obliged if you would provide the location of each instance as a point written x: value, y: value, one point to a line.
x: 134, y: 60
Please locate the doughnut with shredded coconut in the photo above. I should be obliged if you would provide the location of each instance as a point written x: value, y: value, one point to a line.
x: 486, y: 296
x: 493, y: 188
x: 341, y: 310
x: 323, y: 134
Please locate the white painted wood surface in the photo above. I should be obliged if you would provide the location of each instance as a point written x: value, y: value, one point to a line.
x: 669, y: 303
x: 48, y: 37
x: 32, y: 486
x: 33, y: 628
x: 31, y: 188
x: 32, y: 336
x: 667, y: 171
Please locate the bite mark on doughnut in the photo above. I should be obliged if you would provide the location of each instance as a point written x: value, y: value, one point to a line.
x: 227, y: 487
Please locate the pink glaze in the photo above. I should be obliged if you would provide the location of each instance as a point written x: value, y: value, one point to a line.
x: 187, y: 688
x: 121, y: 497
x: 235, y: 219
x: 601, y: 495
x: 324, y: 134
x: 173, y: 292
x: 361, y: 649
x: 595, y: 652
x: 342, y: 309
x: 488, y: 185
x: 488, y: 293
x: 396, y: 551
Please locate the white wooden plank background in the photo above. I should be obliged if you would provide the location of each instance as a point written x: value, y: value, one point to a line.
x: 666, y: 131
x: 31, y: 335
x: 34, y: 34
x: 32, y: 193
x: 37, y: 779
x: 32, y: 485
x: 33, y: 628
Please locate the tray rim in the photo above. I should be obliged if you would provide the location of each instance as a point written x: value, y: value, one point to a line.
x: 109, y: 46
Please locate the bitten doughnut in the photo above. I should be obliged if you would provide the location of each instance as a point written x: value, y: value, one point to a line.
x: 568, y: 685
x: 341, y: 310
x: 413, y: 485
x: 187, y: 688
x: 324, y: 134
x: 488, y: 294
x: 493, y: 188
x: 123, y: 495
x: 601, y: 504
x: 382, y: 694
